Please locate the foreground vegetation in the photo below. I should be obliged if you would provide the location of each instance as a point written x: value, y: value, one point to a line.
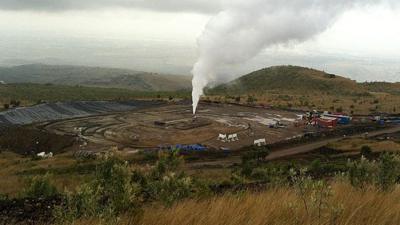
x: 363, y: 191
x: 340, y: 204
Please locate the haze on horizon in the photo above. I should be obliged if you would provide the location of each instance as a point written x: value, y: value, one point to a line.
x: 160, y: 36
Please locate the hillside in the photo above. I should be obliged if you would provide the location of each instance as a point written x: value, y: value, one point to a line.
x: 383, y: 87
x: 290, y: 79
x: 29, y: 94
x: 94, y: 77
x: 304, y: 88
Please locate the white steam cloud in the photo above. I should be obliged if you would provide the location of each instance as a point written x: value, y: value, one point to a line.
x: 245, y: 27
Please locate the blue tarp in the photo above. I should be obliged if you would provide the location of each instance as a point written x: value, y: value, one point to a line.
x: 195, y: 147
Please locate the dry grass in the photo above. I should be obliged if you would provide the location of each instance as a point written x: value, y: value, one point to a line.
x: 281, y: 207
x: 13, y: 167
x: 346, y: 206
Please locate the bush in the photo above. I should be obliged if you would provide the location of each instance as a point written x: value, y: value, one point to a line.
x: 170, y: 188
x: 40, y: 187
x: 389, y: 171
x: 255, y: 153
x: 117, y: 190
x: 166, y: 184
x: 107, y: 196
x: 167, y: 162
x: 366, y: 151
x: 384, y: 173
x: 361, y: 173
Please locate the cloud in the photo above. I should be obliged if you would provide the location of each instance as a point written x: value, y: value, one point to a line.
x: 200, y: 6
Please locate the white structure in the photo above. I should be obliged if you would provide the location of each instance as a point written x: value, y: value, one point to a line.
x: 233, y: 137
x: 43, y: 155
x: 260, y: 142
x: 222, y: 137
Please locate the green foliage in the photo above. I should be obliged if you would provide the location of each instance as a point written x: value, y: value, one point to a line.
x: 319, y: 170
x: 166, y: 183
x: 389, y: 171
x: 107, y: 196
x: 40, y: 187
x: 168, y: 162
x: 255, y: 153
x: 361, y: 173
x: 383, y: 173
x: 251, y: 159
x: 314, y: 194
x: 170, y: 188
x: 117, y: 190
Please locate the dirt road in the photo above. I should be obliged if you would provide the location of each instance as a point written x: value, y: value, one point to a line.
x: 282, y: 153
x: 312, y: 146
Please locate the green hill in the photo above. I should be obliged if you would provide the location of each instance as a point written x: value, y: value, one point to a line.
x: 383, y: 87
x: 304, y: 88
x: 94, y: 77
x: 290, y: 80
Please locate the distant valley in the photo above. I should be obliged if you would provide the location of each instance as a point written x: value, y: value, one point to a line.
x: 94, y: 77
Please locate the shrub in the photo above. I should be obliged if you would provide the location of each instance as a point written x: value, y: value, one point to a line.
x: 107, y: 196
x: 314, y: 194
x: 361, y: 173
x: 170, y: 188
x: 366, y: 151
x: 166, y: 184
x: 389, y: 171
x: 40, y: 187
x: 261, y: 174
x: 255, y: 153
x: 251, y: 159
x: 167, y: 162
x: 117, y: 190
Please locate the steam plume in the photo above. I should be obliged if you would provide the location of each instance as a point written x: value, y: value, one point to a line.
x: 245, y: 27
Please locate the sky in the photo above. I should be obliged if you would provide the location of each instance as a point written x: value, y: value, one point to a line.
x: 161, y: 36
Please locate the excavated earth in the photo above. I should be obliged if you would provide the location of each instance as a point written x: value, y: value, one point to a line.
x: 168, y: 125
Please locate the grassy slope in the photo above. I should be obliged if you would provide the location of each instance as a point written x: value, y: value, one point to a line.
x: 32, y: 93
x: 291, y: 79
x: 94, y: 76
x: 304, y: 88
x: 383, y: 87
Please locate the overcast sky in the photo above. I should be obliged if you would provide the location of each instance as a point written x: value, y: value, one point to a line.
x: 160, y: 36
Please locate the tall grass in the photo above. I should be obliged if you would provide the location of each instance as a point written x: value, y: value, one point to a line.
x: 346, y: 206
